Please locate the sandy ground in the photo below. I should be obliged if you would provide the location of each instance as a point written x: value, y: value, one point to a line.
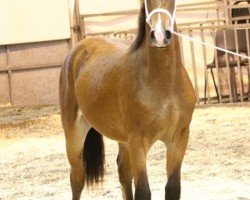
x: 33, y: 163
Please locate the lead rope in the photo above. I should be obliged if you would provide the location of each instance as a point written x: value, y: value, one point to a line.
x: 172, y: 19
x: 209, y: 45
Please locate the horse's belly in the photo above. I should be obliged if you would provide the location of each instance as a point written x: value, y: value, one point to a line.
x: 101, y: 110
x: 106, y: 122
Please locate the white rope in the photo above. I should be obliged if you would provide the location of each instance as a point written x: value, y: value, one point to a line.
x: 210, y: 45
x: 146, y: 7
x: 160, y: 10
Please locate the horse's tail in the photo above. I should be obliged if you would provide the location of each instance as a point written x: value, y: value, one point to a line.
x: 94, y: 157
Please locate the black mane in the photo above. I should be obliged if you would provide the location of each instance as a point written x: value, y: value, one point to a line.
x: 141, y: 30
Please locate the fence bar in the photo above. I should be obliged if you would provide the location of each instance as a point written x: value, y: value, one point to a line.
x: 72, y: 40
x: 20, y: 68
x: 124, y: 12
x: 207, y: 85
x: 217, y: 69
x: 9, y: 73
x: 248, y: 52
x: 226, y: 11
x: 228, y: 67
x: 194, y: 68
x: 218, y: 15
x: 80, y: 26
x: 209, y: 21
x: 206, y: 3
x: 181, y: 8
x: 209, y: 27
x: 239, y: 65
x: 213, y: 7
x: 182, y: 51
x: 133, y: 31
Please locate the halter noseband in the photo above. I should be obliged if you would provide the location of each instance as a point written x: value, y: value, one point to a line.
x: 159, y: 10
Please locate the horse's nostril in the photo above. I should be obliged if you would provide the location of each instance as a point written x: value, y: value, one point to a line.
x: 152, y: 35
x: 168, y: 34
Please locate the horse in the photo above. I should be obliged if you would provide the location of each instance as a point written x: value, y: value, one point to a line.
x: 134, y: 94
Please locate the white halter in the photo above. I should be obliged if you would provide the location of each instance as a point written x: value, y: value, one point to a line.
x: 160, y: 10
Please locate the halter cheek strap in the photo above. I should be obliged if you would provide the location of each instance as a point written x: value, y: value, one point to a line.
x: 160, y: 10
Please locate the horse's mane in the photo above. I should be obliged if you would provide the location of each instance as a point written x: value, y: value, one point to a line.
x: 141, y: 30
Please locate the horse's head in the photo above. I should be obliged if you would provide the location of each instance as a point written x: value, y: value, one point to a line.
x: 160, y: 17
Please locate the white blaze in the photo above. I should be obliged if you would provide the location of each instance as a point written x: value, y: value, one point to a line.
x: 159, y: 32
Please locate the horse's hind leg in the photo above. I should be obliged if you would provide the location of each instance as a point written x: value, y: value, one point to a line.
x: 125, y: 173
x: 175, y: 155
x: 75, y: 138
x: 75, y: 133
x: 75, y: 128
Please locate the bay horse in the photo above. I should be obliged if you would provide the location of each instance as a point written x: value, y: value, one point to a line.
x: 135, y: 95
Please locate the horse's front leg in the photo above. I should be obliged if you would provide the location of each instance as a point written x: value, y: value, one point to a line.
x: 175, y: 155
x: 125, y: 172
x: 138, y: 150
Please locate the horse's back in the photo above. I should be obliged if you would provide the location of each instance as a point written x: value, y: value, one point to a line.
x: 98, y: 57
x: 93, y: 50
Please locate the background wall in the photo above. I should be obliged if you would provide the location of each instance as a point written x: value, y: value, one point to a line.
x: 34, y: 40
x: 36, y: 34
x: 24, y: 21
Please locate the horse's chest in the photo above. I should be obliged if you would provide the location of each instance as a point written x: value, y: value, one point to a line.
x: 165, y: 115
x: 163, y: 109
x: 160, y: 116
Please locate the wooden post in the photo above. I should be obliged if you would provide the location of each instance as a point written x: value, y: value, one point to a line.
x: 217, y: 66
x: 227, y: 16
x: 239, y: 65
x: 218, y: 16
x: 79, y: 22
x: 207, y: 85
x: 248, y: 52
x: 71, y: 41
x: 75, y: 25
x: 9, y: 74
x: 230, y: 85
x: 194, y: 68
x: 182, y: 50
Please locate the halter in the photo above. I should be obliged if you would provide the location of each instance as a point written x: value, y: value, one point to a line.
x: 160, y: 10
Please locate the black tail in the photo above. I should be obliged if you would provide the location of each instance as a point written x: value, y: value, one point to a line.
x: 93, y: 157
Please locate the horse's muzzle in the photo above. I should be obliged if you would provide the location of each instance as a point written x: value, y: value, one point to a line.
x: 160, y: 38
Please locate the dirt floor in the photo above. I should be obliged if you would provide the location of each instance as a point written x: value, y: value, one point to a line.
x: 33, y: 163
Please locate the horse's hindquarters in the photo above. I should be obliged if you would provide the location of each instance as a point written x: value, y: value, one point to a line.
x: 97, y: 86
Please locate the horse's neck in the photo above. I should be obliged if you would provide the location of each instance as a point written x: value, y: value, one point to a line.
x: 161, y: 61
x: 161, y: 66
